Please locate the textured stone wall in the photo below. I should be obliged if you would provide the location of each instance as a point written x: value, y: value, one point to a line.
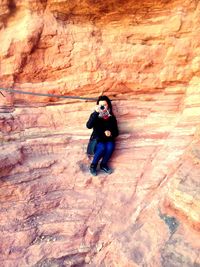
x: 145, y: 57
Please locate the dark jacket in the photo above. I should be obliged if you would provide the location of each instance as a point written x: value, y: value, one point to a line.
x: 100, y: 125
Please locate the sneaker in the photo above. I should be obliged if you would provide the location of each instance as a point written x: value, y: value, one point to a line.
x: 106, y: 169
x: 93, y: 170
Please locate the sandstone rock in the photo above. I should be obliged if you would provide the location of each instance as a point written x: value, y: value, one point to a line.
x: 145, y: 56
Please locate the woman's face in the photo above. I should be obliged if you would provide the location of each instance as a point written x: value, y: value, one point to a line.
x: 103, y: 103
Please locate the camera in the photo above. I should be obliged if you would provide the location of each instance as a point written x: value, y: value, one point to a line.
x: 102, y: 107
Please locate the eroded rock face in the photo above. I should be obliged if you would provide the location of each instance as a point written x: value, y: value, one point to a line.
x: 145, y: 56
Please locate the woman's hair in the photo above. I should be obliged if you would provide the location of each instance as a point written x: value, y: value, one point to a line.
x: 105, y: 98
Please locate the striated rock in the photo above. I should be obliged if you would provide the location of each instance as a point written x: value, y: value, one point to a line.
x: 145, y: 57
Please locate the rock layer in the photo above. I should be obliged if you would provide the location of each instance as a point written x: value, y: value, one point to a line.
x: 145, y: 56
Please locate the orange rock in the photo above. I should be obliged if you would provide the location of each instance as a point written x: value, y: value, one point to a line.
x: 145, y: 56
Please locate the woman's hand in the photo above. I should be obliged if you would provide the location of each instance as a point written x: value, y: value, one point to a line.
x: 107, y: 133
x: 97, y: 108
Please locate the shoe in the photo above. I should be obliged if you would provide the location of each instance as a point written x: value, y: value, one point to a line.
x: 106, y: 169
x: 93, y: 170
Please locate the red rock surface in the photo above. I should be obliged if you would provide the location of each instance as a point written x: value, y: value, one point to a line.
x: 145, y: 56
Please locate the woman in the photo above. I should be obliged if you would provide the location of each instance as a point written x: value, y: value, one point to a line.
x: 105, y: 130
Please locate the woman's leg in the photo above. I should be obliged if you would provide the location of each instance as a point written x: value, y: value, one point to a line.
x: 99, y: 152
x: 109, y: 148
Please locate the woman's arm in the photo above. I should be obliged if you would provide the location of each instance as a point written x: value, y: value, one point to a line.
x: 92, y: 120
x: 115, y: 130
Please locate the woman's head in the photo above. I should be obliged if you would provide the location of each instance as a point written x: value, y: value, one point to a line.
x: 105, y: 101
